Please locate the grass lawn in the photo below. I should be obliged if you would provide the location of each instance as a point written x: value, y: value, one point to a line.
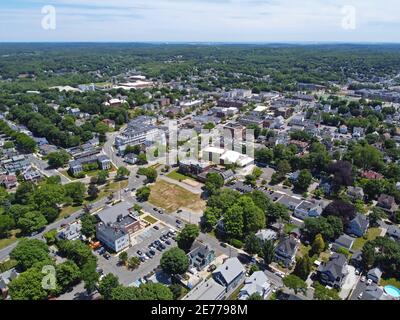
x: 177, y: 176
x: 371, y: 234
x: 150, y: 219
x: 390, y: 281
x: 7, y: 241
x: 289, y: 228
x: 172, y: 197
x: 104, y: 192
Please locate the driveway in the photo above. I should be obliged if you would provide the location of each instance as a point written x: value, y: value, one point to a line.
x: 349, y: 283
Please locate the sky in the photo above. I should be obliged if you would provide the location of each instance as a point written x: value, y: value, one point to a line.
x: 200, y: 20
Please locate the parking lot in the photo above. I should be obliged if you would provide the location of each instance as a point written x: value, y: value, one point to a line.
x: 143, y: 240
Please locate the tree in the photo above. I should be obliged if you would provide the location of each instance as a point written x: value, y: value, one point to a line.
x: 93, y: 191
x: 6, y: 225
x: 155, y: 291
x: 24, y: 192
x: 88, y: 225
x: 31, y: 222
x: 338, y: 208
x: 268, y: 251
x: 330, y: 228
x: 283, y: 167
x: 255, y: 296
x: 122, y: 173
x: 121, y: 293
x: 28, y: 286
x: 187, y: 236
x: 303, y: 180
x: 174, y: 261
x: 102, y: 177
x: 295, y: 283
x: 318, y: 245
x: 123, y: 258
x: 323, y: 293
x: 264, y: 155
x: 107, y: 285
x: 225, y: 199
x: 234, y: 222
x: 376, y: 215
x: 177, y: 291
x: 253, y: 245
x: 214, y: 182
x: 28, y: 252
x: 150, y: 173
x: 303, y: 267
x: 50, y: 237
x: 342, y: 171
x: 133, y: 262
x: 367, y: 157
x: 90, y: 275
x: 260, y: 199
x: 76, y: 191
x: 253, y: 216
x: 58, y: 159
x: 68, y: 274
x: 276, y: 212
x: 143, y: 194
x: 210, y: 218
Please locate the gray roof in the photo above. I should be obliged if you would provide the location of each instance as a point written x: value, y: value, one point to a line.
x: 266, y: 234
x: 375, y: 273
x: 208, y: 290
x: 373, y: 292
x: 334, y: 265
x: 393, y: 231
x: 345, y: 241
x: 362, y: 221
x: 288, y: 245
x: 231, y: 268
x: 110, y: 215
x: 256, y: 283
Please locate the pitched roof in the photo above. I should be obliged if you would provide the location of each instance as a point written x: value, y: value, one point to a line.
x: 288, y: 245
x: 230, y: 269
x: 335, y: 265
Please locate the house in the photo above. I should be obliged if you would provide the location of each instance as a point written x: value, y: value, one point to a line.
x: 76, y: 166
x: 344, y: 241
x: 290, y: 202
x: 109, y: 123
x: 286, y: 251
x: 308, y: 209
x: 207, y: 290
x: 343, y: 129
x: 373, y: 292
x: 8, y: 181
x: 358, y: 132
x: 71, y: 232
x: 5, y: 279
x: 372, y: 175
x: 266, y: 235
x: 333, y: 272
x: 358, y: 226
x: 130, y: 158
x: 200, y: 256
x: 192, y: 166
x: 393, y: 232
x: 230, y: 274
x: 356, y: 259
x: 375, y: 275
x: 387, y: 203
x: 31, y: 174
x: 355, y: 193
x: 256, y: 283
x: 113, y: 236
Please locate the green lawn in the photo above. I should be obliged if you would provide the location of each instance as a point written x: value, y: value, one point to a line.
x: 177, y: 176
x: 235, y: 294
x: 13, y: 237
x: 150, y: 219
x: 371, y: 234
x: 390, y: 281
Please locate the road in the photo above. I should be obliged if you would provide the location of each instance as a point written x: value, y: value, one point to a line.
x: 42, y: 166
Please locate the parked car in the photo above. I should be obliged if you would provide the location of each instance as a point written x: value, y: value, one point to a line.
x: 149, y: 255
x: 157, y: 242
x: 140, y: 253
x: 369, y: 282
x: 107, y: 256
x: 152, y: 252
x: 178, y: 221
x: 363, y: 279
x: 156, y: 228
x: 168, y: 242
x: 212, y: 268
x: 159, y: 248
x: 142, y: 259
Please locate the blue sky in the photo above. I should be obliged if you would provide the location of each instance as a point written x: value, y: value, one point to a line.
x: 201, y: 20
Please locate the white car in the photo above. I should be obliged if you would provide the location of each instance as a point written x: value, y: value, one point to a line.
x: 360, y: 295
x: 363, y: 279
x: 369, y: 282
x: 357, y: 272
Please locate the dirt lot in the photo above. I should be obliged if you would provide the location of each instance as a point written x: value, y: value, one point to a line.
x: 172, y: 197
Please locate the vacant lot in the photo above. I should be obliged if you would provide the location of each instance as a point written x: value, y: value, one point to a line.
x: 177, y: 176
x: 172, y: 197
x: 150, y: 219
